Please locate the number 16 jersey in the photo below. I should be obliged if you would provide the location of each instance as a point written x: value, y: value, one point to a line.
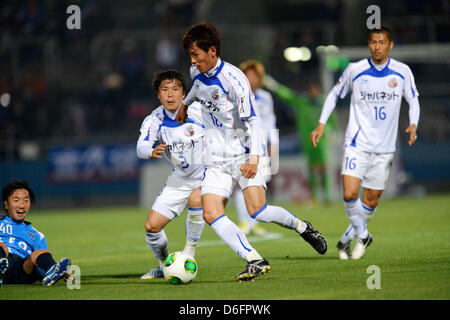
x: 375, y: 103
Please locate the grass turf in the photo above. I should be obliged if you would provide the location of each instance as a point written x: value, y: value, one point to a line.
x: 411, y: 248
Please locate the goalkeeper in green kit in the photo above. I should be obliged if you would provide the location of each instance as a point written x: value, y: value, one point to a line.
x: 308, y: 108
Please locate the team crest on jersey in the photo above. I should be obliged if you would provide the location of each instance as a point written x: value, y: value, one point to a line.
x: 392, y: 83
x: 189, y: 132
x: 215, y: 94
x: 32, y: 235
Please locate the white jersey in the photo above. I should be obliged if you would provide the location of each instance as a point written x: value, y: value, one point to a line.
x: 375, y: 103
x: 264, y: 109
x: 227, y: 109
x: 184, y: 142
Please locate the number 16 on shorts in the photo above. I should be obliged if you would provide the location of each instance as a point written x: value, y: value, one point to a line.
x: 350, y: 163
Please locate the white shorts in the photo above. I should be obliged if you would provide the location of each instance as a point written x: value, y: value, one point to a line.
x: 218, y: 181
x: 372, y: 168
x: 173, y: 198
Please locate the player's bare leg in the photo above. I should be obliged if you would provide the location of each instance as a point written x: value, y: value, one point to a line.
x: 355, y: 213
x: 255, y: 199
x: 370, y: 201
x: 213, y: 213
x: 369, y: 204
x: 157, y: 241
x: 352, y: 207
x: 194, y: 222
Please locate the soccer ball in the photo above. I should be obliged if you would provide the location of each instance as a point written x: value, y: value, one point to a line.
x: 180, y: 268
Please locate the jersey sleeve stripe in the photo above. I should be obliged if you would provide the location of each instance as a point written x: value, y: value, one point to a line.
x: 342, y: 88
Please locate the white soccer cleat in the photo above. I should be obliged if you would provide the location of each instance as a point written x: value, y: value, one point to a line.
x: 156, y: 272
x: 344, y: 251
x: 360, y: 247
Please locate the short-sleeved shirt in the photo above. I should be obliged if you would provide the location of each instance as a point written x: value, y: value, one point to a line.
x: 21, y: 238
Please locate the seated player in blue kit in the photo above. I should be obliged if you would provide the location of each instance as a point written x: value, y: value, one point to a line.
x: 24, y: 256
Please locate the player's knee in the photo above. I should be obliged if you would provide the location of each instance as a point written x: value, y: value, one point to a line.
x: 195, y: 199
x: 4, y: 248
x: 208, y: 216
x: 251, y: 209
x: 371, y: 203
x: 152, y: 227
x: 195, y: 203
x: 350, y: 196
x: 35, y: 254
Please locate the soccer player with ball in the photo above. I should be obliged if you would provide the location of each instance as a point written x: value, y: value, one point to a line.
x: 377, y: 85
x: 233, y: 147
x: 161, y: 134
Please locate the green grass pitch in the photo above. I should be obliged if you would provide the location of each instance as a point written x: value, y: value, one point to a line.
x: 411, y: 247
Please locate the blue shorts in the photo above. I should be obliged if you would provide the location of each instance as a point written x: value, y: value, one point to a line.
x: 15, y: 273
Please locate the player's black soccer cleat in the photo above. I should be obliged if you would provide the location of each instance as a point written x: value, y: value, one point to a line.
x: 314, y: 238
x: 360, y: 247
x: 344, y: 250
x: 3, y: 267
x: 254, y: 269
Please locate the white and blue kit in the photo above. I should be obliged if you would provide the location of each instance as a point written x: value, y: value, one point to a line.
x: 184, y: 148
x: 233, y: 129
x: 265, y: 110
x: 233, y: 134
x: 21, y: 238
x: 376, y: 93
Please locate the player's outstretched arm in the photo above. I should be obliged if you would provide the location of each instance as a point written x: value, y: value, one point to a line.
x: 316, y: 134
x: 412, y: 130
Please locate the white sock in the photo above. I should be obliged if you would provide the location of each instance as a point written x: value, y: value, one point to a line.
x: 241, y: 208
x: 355, y: 214
x: 232, y: 236
x: 368, y: 212
x: 194, y: 228
x: 279, y: 216
x: 350, y: 233
x: 158, y: 243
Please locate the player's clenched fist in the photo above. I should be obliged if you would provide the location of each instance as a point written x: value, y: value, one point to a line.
x: 158, y: 151
x: 249, y: 170
x: 182, y: 114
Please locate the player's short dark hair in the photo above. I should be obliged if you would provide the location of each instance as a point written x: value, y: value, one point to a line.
x: 382, y: 29
x: 170, y: 74
x: 205, y: 35
x: 14, y: 185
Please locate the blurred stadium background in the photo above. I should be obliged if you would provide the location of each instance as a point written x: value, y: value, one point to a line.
x: 72, y: 101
